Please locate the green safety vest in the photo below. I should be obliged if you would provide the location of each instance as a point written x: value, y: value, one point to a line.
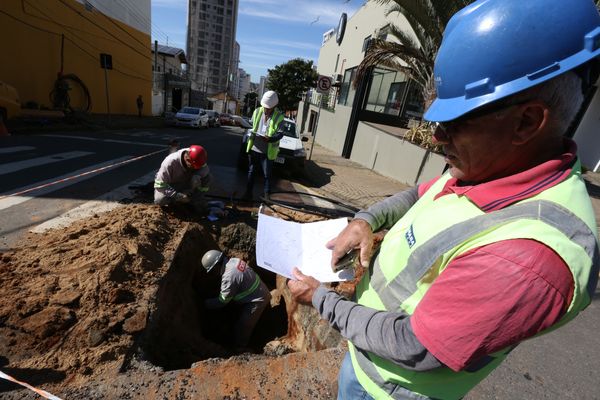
x: 431, y: 234
x: 276, y: 118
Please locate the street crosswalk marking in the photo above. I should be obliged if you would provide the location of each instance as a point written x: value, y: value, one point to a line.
x: 107, y: 140
x: 36, y: 162
x: 108, y: 201
x: 9, y: 201
x: 15, y: 149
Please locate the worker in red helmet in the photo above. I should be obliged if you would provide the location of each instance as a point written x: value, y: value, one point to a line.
x: 183, y: 178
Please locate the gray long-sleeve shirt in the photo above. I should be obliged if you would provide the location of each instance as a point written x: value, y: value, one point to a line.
x: 173, y: 176
x: 241, y: 284
x: 384, y: 333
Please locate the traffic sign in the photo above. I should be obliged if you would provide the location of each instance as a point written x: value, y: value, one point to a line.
x: 323, y: 84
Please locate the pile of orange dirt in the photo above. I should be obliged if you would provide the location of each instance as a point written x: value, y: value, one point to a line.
x: 91, y: 309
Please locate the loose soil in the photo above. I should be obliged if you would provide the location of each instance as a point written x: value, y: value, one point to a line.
x: 110, y: 307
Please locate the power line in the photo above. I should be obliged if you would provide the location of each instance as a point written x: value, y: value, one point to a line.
x: 68, y: 29
x: 122, y: 29
x: 136, y: 12
x: 101, y: 27
x: 72, y: 41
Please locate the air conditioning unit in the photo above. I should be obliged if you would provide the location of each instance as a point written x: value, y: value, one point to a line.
x: 337, y: 79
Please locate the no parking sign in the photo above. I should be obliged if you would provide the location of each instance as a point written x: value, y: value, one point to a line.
x: 323, y: 84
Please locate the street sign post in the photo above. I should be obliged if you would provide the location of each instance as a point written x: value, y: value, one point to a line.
x: 106, y: 64
x: 323, y: 84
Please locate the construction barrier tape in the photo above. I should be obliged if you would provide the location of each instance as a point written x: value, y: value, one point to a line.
x: 41, y: 392
x: 82, y: 174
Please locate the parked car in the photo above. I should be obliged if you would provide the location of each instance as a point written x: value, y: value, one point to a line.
x: 225, y: 119
x: 213, y: 118
x: 241, y: 122
x: 10, y: 106
x: 292, y: 155
x: 192, y: 116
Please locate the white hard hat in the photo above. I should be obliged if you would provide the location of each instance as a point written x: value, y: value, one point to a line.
x: 269, y: 99
x: 210, y: 259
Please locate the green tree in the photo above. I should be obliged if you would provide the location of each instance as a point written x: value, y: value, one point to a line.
x: 413, y: 56
x: 250, y: 103
x: 290, y: 80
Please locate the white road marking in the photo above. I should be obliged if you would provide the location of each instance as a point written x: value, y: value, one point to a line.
x: 106, y: 140
x: 15, y: 149
x: 107, y: 202
x: 36, y: 162
x: 10, y: 201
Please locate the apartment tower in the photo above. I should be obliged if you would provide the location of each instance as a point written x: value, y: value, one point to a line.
x: 210, y: 44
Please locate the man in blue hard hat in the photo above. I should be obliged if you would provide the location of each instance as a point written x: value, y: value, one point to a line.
x: 500, y: 248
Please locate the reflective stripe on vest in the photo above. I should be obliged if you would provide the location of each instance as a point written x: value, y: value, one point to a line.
x: 414, y: 256
x: 419, y: 262
x: 249, y: 291
x: 276, y: 119
x: 160, y: 184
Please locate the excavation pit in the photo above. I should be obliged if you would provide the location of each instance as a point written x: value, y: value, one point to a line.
x: 120, y: 292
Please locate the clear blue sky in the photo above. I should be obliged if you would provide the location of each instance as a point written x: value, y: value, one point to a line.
x: 270, y: 32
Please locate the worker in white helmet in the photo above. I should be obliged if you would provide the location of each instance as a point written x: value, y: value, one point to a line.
x: 240, y: 284
x: 263, y: 144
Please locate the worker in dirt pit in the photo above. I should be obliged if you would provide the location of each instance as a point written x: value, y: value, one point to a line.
x: 183, y: 178
x: 240, y: 284
x: 504, y: 245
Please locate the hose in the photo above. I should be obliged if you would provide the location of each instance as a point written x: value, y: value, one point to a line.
x: 59, y: 95
x: 325, y: 212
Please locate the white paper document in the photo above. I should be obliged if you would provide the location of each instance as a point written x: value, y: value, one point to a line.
x: 282, y: 245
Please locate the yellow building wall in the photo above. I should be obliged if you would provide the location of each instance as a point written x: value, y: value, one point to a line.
x: 31, y: 32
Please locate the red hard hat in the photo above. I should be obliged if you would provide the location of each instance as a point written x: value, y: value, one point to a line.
x: 197, y: 156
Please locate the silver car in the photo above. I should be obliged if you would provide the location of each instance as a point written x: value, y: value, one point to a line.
x: 192, y: 116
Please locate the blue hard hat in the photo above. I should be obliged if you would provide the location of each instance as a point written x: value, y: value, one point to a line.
x: 495, y: 48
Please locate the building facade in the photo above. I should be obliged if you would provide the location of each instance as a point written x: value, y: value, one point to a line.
x: 75, y: 40
x: 211, y: 43
x: 244, y: 84
x: 171, y: 87
x: 367, y: 123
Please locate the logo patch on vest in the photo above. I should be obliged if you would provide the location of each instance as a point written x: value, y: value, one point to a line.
x: 410, y: 237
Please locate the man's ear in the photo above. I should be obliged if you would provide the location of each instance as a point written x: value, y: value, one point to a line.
x: 533, y: 119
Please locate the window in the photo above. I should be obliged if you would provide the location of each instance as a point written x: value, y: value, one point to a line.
x: 391, y: 93
x: 366, y: 43
x: 337, y: 60
x: 383, y: 32
x: 386, y: 92
x: 347, y: 92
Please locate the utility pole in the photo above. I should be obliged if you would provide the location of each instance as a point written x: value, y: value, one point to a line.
x: 165, y: 83
x: 226, y: 88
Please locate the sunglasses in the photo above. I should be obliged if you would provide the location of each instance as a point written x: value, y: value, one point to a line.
x: 478, y: 113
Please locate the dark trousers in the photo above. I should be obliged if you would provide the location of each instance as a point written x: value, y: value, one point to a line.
x: 259, y: 161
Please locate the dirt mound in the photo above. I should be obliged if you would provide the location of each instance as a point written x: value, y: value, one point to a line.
x: 73, y: 299
x: 119, y: 295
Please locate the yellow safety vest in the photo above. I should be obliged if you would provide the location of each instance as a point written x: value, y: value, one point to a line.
x: 276, y: 118
x: 431, y: 234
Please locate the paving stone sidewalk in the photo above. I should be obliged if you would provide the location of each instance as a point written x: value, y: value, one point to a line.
x: 333, y: 176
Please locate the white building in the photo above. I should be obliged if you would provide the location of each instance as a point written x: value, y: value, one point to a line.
x: 366, y: 124
x: 211, y: 43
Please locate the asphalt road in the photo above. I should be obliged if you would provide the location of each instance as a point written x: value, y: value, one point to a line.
x: 45, y: 175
